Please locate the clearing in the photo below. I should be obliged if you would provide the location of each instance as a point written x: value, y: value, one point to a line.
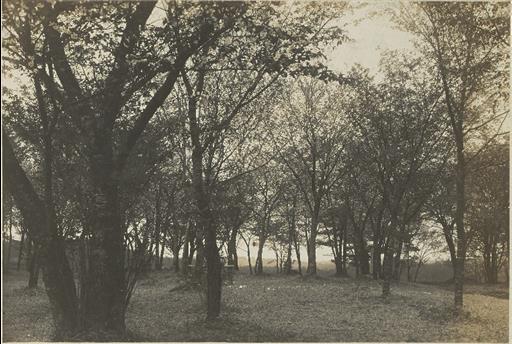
x: 278, y: 308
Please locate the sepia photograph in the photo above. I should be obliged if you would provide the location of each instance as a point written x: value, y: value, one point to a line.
x: 255, y: 171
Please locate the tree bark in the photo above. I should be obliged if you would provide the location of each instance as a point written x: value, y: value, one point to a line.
x: 42, y: 229
x: 258, y: 269
x: 311, y: 269
x: 397, y: 262
x: 34, y: 269
x: 7, y: 261
x: 20, y: 252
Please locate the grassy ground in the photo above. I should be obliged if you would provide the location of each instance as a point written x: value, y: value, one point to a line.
x: 277, y: 308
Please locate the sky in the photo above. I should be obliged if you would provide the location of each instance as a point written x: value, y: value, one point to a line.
x: 372, y: 32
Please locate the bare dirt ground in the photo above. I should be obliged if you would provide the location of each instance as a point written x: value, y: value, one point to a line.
x: 277, y: 308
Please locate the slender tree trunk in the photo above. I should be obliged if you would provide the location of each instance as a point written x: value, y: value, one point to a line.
x: 297, y: 254
x: 259, y: 259
x: 185, y: 254
x: 389, y: 249
x: 277, y: 260
x: 232, y: 254
x: 248, y: 246
x: 387, y: 271
x: 7, y: 262
x: 29, y: 254
x: 162, y: 252
x: 363, y: 256
x: 288, y: 262
x: 199, y: 266
x: 418, y: 267
x: 34, y: 270
x: 201, y: 194
x: 20, y: 252
x: 157, y: 237
x: 397, y: 262
x: 459, y: 219
x: 311, y: 269
x: 344, y: 255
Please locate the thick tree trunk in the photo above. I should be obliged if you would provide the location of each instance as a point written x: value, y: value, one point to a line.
x: 105, y: 285
x: 42, y: 229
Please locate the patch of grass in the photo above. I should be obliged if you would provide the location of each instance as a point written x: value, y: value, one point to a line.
x: 279, y: 308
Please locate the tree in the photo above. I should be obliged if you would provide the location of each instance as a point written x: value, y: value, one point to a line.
x: 488, y: 212
x: 397, y: 122
x: 310, y: 143
x: 469, y: 47
x: 126, y: 84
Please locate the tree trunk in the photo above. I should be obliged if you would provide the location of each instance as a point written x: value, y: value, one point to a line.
x: 297, y: 253
x: 7, y: 261
x: 34, y: 269
x: 185, y: 254
x: 161, y: 259
x: 376, y: 261
x: 259, y: 259
x: 199, y: 265
x: 42, y: 229
x: 248, y: 246
x: 345, y: 254
x: 105, y: 284
x: 363, y: 257
x: 387, y: 271
x: 389, y: 249
x: 20, y: 252
x: 397, y: 262
x: 311, y: 269
x: 459, y: 220
x: 232, y: 254
x: 276, y: 253
x: 157, y: 238
x: 29, y: 254
x: 288, y: 262
x: 420, y: 263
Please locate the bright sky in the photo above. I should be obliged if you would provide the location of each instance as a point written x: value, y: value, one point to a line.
x: 372, y: 32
